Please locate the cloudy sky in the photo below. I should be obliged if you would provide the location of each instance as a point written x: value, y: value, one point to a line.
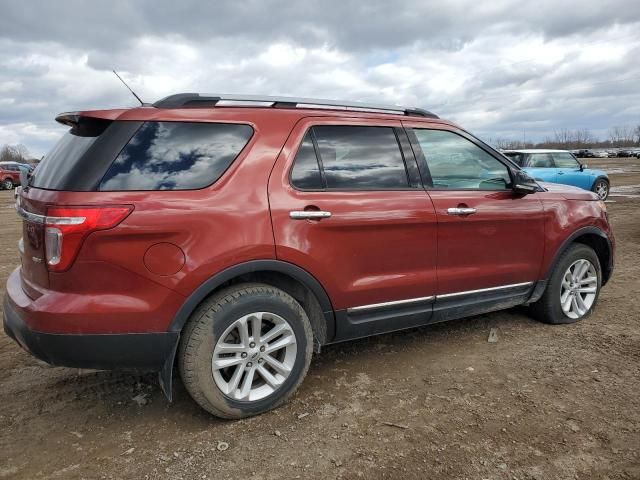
x: 502, y: 69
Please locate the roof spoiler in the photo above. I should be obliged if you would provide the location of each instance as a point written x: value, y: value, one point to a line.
x: 70, y: 119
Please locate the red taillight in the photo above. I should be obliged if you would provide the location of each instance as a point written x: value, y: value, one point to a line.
x: 67, y: 227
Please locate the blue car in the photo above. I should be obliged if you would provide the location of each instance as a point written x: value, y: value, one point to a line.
x: 560, y: 166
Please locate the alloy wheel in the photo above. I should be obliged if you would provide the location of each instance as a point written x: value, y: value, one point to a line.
x: 579, y: 288
x: 254, y: 356
x: 602, y: 190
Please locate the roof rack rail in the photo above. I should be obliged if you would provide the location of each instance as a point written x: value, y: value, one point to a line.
x: 196, y: 100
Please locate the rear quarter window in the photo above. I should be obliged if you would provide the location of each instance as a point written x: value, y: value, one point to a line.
x: 176, y: 156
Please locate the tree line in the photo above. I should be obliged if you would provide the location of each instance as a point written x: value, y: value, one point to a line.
x: 16, y: 153
x: 567, y: 139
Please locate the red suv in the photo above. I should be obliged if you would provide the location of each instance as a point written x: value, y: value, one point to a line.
x: 239, y: 234
x: 9, y: 176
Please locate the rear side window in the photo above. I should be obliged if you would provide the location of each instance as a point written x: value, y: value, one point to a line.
x: 305, y: 174
x: 175, y: 156
x: 355, y: 158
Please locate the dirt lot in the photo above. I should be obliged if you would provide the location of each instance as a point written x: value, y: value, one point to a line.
x: 543, y: 402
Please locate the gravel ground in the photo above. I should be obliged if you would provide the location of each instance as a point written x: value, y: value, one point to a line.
x: 543, y: 402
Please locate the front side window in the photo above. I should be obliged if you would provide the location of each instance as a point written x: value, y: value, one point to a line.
x: 176, y: 156
x: 458, y: 164
x: 540, y: 160
x: 565, y: 160
x: 358, y: 157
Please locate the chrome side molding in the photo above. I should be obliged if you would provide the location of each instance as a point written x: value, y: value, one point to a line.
x: 373, y: 306
x: 389, y: 304
x: 482, y: 290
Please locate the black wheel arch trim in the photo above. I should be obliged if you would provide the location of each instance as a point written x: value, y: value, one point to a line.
x: 606, y: 269
x: 298, y: 273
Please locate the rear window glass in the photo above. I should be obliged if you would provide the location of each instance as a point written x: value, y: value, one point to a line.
x: 68, y: 154
x: 176, y: 156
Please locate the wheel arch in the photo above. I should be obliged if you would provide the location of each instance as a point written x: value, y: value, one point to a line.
x: 594, y: 238
x: 294, y: 280
x: 600, y: 177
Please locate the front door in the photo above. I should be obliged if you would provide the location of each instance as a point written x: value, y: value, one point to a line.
x: 541, y: 167
x: 348, y: 207
x: 489, y: 238
x: 568, y: 171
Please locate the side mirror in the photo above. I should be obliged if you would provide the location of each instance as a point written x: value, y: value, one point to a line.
x: 523, y: 183
x: 583, y: 166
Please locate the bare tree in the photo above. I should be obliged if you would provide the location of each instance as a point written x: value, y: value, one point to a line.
x: 14, y: 153
x: 622, y: 136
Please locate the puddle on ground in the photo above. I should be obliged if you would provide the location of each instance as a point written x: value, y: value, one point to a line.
x: 629, y: 191
x: 620, y: 170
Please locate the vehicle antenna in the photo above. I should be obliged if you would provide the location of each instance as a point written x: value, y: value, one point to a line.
x: 128, y: 87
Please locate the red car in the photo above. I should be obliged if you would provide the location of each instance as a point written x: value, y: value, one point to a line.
x: 9, y: 176
x: 236, y: 235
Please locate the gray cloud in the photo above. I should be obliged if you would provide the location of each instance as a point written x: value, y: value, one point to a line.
x: 495, y: 67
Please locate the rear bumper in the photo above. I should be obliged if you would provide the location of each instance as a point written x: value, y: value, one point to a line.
x: 144, y: 351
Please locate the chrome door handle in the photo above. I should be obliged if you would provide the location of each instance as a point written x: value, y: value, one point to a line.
x: 460, y: 211
x: 309, y: 214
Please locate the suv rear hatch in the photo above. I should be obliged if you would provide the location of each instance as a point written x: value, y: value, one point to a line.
x: 76, y: 163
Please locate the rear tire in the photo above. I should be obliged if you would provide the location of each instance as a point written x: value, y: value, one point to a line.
x: 7, y: 184
x: 601, y: 188
x: 577, y: 273
x: 245, y: 350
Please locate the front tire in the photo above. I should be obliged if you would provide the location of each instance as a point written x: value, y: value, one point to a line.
x: 573, y: 288
x: 601, y: 188
x: 7, y: 184
x: 245, y: 350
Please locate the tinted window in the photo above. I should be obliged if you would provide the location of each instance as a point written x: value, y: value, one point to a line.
x: 356, y: 157
x: 68, y: 154
x: 306, y: 172
x: 457, y: 163
x: 540, y: 160
x: 565, y: 160
x: 176, y: 156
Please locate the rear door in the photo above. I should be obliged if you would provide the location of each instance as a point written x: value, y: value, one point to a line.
x: 348, y: 206
x: 488, y: 236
